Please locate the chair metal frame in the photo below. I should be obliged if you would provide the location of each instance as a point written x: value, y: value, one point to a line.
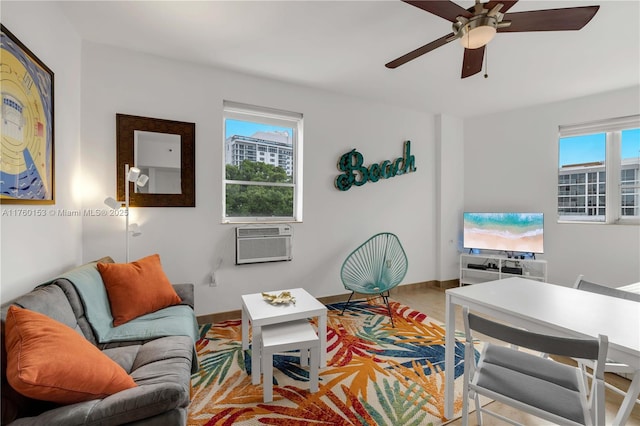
x: 375, y: 267
x: 611, y: 366
x: 593, y: 409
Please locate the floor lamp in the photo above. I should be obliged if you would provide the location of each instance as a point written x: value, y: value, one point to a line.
x: 131, y: 175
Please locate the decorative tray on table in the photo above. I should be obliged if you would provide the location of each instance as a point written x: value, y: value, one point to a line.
x: 283, y: 298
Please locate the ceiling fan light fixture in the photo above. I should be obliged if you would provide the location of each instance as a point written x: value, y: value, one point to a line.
x: 478, y: 32
x: 476, y: 26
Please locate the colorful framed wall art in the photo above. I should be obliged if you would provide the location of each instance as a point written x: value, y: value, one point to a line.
x: 27, y: 126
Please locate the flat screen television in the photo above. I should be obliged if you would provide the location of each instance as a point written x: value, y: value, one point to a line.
x: 510, y: 232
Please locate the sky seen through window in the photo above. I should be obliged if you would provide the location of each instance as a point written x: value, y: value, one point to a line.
x: 591, y: 148
x: 248, y: 128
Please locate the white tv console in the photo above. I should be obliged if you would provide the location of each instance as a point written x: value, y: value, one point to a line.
x: 531, y: 268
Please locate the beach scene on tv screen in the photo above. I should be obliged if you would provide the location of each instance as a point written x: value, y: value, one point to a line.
x: 512, y: 232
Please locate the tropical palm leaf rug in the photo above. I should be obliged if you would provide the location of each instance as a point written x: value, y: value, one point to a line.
x: 375, y: 374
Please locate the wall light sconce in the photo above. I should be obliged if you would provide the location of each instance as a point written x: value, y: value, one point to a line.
x: 133, y: 175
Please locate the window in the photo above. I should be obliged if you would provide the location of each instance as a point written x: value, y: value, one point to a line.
x: 259, y: 188
x: 630, y: 174
x: 599, y: 171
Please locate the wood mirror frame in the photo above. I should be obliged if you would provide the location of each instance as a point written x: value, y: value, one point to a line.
x: 126, y: 125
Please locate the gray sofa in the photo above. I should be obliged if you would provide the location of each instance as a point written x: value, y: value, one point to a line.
x: 160, y: 366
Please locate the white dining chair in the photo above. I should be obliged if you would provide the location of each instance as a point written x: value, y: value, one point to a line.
x: 611, y: 366
x: 548, y: 389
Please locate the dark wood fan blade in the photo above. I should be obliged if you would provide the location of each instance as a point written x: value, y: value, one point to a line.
x: 506, y: 5
x: 444, y: 9
x: 568, y: 19
x: 419, y: 51
x: 472, y: 62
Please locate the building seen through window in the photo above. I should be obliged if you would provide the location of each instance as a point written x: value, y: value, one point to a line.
x: 599, y: 171
x: 262, y: 164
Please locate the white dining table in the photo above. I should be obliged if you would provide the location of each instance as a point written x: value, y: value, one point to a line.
x: 552, y: 309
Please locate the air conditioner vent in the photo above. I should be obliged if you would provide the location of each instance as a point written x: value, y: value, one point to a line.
x: 258, y: 232
x: 263, y: 243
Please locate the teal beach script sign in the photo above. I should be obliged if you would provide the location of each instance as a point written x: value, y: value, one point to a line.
x: 356, y: 174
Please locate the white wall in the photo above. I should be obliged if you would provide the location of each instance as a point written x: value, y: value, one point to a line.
x: 450, y: 193
x: 511, y: 162
x: 34, y: 249
x: 191, y: 240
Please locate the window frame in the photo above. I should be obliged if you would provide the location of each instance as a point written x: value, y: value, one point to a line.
x: 269, y: 116
x: 612, y: 128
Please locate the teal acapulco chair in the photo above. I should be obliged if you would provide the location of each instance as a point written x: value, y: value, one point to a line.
x: 377, y: 266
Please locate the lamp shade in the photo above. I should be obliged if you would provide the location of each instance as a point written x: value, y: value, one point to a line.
x: 133, y: 174
x: 113, y: 203
x: 476, y: 33
x: 135, y: 230
x: 477, y: 37
x: 142, y: 180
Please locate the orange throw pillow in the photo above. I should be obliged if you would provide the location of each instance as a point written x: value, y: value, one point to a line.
x: 50, y: 361
x: 137, y: 288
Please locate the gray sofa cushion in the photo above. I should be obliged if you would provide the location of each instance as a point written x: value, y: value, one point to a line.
x: 161, y: 367
x: 185, y: 292
x: 162, y: 370
x: 173, y: 417
x: 51, y: 301
x: 78, y: 308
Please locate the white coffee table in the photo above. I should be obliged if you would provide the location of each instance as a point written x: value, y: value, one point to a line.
x: 259, y: 312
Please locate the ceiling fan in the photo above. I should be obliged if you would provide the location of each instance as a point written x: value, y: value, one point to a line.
x: 476, y: 26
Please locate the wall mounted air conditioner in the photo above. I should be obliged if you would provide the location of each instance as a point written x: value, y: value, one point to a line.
x: 263, y: 243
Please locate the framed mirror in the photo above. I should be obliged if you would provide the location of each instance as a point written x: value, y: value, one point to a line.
x: 164, y: 150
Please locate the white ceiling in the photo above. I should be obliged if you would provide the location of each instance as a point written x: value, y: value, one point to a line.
x: 342, y: 46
